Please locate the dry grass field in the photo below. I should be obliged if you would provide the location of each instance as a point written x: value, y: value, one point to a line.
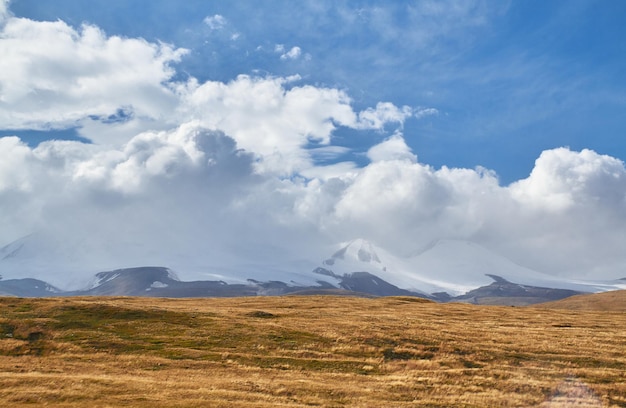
x: 306, y: 351
x: 614, y: 301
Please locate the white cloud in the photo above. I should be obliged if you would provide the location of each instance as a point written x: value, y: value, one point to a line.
x: 58, y: 77
x: 563, y: 179
x: 393, y: 148
x: 330, y: 171
x: 406, y: 205
x: 215, y: 22
x: 140, y: 203
x: 423, y: 112
x: 12, y: 153
x: 292, y: 54
x: 267, y: 119
x: 385, y: 112
x: 52, y: 75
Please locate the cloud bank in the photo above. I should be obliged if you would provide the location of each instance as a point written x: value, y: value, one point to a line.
x: 202, y: 174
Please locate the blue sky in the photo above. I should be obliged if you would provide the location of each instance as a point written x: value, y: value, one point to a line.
x: 509, y: 79
x: 267, y: 129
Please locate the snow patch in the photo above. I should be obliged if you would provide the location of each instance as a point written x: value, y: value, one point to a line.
x: 51, y: 289
x: 172, y: 275
x: 102, y: 279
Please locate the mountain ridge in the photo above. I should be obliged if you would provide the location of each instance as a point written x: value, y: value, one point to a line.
x: 446, y: 270
x: 161, y: 282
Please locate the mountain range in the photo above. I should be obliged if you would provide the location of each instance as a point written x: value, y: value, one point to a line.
x: 446, y: 270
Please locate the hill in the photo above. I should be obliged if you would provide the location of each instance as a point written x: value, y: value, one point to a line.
x: 614, y: 301
x: 295, y: 351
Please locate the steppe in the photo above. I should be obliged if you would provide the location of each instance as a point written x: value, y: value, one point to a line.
x: 300, y: 351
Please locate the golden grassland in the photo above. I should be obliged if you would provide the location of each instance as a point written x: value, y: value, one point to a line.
x: 606, y: 301
x: 306, y: 351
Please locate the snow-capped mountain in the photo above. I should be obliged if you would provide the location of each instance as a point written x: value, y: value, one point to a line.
x: 459, y: 266
x: 361, y: 255
x: 71, y: 263
x: 451, y: 266
x: 446, y: 269
x: 65, y: 263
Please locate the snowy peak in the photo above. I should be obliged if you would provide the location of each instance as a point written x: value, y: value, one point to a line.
x: 359, y: 250
x: 446, y: 269
x: 360, y: 255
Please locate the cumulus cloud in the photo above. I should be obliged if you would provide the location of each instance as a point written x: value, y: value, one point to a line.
x: 266, y: 118
x: 571, y: 213
x: 173, y: 189
x: 112, y: 88
x: 402, y: 204
x: 53, y: 76
x: 393, y: 148
x: 562, y: 179
x: 406, y: 204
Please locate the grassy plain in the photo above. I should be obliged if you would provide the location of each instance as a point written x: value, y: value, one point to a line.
x: 614, y: 301
x: 306, y: 351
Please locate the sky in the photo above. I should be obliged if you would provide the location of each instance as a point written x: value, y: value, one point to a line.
x: 234, y: 132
